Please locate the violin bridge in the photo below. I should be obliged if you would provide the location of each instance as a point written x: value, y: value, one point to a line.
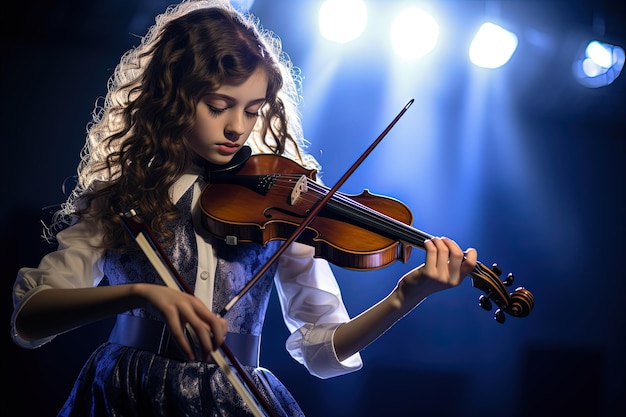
x: 298, y: 189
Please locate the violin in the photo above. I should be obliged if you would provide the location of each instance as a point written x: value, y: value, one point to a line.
x: 268, y: 196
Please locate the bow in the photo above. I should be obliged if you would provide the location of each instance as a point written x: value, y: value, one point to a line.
x: 170, y: 276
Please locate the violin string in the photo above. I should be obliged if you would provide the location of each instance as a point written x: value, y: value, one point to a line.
x: 369, y: 216
x: 358, y: 211
x: 366, y: 214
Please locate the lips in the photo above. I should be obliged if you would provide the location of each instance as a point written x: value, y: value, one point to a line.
x: 228, y: 148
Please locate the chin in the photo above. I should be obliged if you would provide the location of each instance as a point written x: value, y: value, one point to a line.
x: 218, y: 159
x: 221, y: 159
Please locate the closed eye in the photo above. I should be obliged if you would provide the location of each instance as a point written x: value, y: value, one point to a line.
x: 215, y: 110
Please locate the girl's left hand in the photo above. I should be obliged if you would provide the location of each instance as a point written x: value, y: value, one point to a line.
x: 445, y: 266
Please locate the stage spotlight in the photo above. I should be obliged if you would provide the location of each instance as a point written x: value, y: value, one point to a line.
x: 342, y: 21
x: 492, y: 47
x: 414, y: 33
x: 600, y: 65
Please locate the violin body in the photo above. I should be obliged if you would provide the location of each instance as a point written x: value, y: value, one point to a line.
x: 236, y: 208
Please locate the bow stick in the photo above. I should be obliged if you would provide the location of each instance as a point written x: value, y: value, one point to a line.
x: 314, y: 212
x: 158, y: 258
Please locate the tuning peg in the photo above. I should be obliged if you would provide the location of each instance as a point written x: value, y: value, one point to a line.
x: 499, y: 316
x: 484, y: 302
x: 509, y: 280
x: 496, y: 269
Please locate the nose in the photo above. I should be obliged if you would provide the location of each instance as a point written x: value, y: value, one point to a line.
x: 235, y: 127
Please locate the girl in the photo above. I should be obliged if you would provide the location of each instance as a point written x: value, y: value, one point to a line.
x: 205, y: 83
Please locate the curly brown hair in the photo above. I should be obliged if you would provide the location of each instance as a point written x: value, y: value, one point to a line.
x: 135, y: 148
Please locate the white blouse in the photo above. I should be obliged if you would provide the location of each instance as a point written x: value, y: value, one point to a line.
x: 300, y: 277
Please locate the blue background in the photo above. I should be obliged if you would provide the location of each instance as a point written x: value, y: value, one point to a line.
x: 521, y: 163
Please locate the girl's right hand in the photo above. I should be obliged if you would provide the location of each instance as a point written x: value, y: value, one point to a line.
x: 180, y: 310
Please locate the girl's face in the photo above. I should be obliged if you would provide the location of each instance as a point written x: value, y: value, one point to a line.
x: 225, y: 118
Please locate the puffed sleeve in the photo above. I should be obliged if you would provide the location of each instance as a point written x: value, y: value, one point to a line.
x: 75, y: 264
x: 312, y: 308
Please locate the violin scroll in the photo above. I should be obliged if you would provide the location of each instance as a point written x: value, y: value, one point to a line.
x: 518, y: 303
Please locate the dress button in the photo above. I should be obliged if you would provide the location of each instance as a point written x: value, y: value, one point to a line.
x: 204, y: 275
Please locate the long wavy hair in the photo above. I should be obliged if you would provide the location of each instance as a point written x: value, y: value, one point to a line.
x: 135, y: 148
